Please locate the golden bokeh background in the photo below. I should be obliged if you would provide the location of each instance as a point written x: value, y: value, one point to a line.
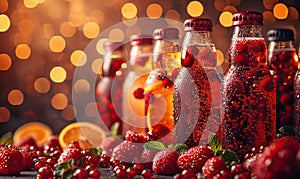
x: 43, y: 41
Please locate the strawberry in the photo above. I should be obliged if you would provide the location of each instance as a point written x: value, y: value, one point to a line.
x: 26, y: 141
x: 10, y: 161
x: 279, y: 160
x: 164, y: 162
x: 213, y: 166
x: 194, y: 158
x: 52, y: 142
x: 139, y: 93
x: 135, y: 137
x: 126, y: 152
x: 27, y: 160
x: 109, y: 143
x: 147, y: 157
x: 73, y: 151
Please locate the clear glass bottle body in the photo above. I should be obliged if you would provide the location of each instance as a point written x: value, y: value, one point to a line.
x: 248, y: 93
x: 140, y: 65
x: 197, y: 91
x: 160, y: 84
x: 297, y: 99
x: 283, y: 64
x: 108, y: 90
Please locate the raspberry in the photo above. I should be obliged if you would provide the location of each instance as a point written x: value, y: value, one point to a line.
x: 164, y: 162
x: 139, y: 93
x: 213, y: 166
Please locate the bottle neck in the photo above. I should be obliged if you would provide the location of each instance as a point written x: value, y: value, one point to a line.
x: 166, y: 55
x: 197, y: 37
x: 247, y: 31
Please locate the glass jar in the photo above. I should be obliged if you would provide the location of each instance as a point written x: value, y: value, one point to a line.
x: 197, y: 99
x: 139, y: 67
x: 248, y: 116
x: 160, y: 83
x: 108, y: 90
x: 283, y: 65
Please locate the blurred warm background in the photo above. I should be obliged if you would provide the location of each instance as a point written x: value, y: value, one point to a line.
x: 43, y: 41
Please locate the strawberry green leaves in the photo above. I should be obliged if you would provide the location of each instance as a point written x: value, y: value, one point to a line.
x: 157, y: 146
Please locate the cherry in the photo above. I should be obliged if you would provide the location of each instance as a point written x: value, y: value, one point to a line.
x: 138, y: 167
x: 80, y: 173
x: 120, y: 167
x: 93, y: 160
x: 104, y: 161
x: 94, y: 174
x: 237, y: 169
x: 45, y: 173
x: 51, y: 162
x: 147, y: 174
x: 39, y: 165
x: 188, y: 61
x: 188, y: 174
x: 131, y: 172
x: 120, y: 174
x: 139, y: 93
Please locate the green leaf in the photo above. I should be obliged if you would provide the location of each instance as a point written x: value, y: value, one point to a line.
x: 170, y: 146
x: 6, y: 138
x: 154, y: 146
x: 95, y: 151
x: 180, y: 148
x: 67, y: 174
x: 214, y: 143
x: 65, y: 165
x: 229, y: 157
x: 114, y: 128
x: 287, y: 131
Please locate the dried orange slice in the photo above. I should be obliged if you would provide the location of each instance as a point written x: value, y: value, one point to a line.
x: 38, y: 131
x: 85, y: 133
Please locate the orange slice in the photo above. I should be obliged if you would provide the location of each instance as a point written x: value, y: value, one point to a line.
x: 38, y: 131
x: 85, y: 133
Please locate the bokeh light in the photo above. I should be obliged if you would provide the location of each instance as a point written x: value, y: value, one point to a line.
x: 96, y: 66
x: 3, y: 6
x: 42, y: 85
x: 57, y: 44
x: 269, y: 4
x: 59, y: 101
x: 91, y: 30
x: 58, y: 74
x: 5, y: 23
x: 5, y: 62
x: 82, y: 86
x: 195, y: 8
x: 280, y: 11
x: 173, y: 14
x: 236, y: 2
x: 231, y: 9
x: 268, y: 17
x: 48, y: 30
x: 132, y: 30
x: 78, y: 58
x: 129, y: 10
x: 220, y: 57
x: 15, y: 97
x: 293, y: 14
x: 67, y: 29
x: 91, y: 110
x: 31, y: 3
x: 154, y: 11
x: 68, y: 113
x: 99, y: 46
x: 220, y: 4
x: 4, y: 114
x: 116, y: 35
x: 23, y: 51
x: 226, y: 19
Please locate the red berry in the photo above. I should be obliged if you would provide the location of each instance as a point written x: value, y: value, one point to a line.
x: 10, y: 161
x: 241, y: 60
x: 189, y: 174
x: 95, y: 174
x: 194, y: 158
x: 286, y: 99
x: 193, y: 50
x: 138, y: 167
x: 109, y: 143
x: 135, y: 137
x: 131, y: 172
x: 167, y: 83
x: 126, y: 152
x: 51, y: 162
x: 139, y: 93
x: 237, y: 169
x: 164, y: 162
x: 80, y: 174
x: 188, y: 61
x: 39, y: 165
x: 45, y: 173
x: 147, y: 174
x: 104, y: 161
x: 267, y: 84
x: 244, y: 175
x: 213, y: 166
x: 158, y: 132
x: 121, y: 174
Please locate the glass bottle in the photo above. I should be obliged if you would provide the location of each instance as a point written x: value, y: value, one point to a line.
x: 108, y: 93
x: 248, y: 116
x: 160, y: 83
x: 139, y: 67
x: 297, y: 98
x: 197, y: 101
x: 283, y: 64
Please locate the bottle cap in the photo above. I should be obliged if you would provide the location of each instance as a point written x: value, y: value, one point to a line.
x: 166, y: 33
x: 140, y: 39
x: 197, y: 24
x: 111, y: 46
x: 280, y: 35
x: 247, y: 18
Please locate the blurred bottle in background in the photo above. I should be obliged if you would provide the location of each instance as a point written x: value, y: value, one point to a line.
x: 109, y: 88
x: 139, y: 67
x: 297, y: 98
x: 283, y: 64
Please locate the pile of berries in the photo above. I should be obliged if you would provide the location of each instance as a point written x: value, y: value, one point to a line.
x: 149, y: 156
